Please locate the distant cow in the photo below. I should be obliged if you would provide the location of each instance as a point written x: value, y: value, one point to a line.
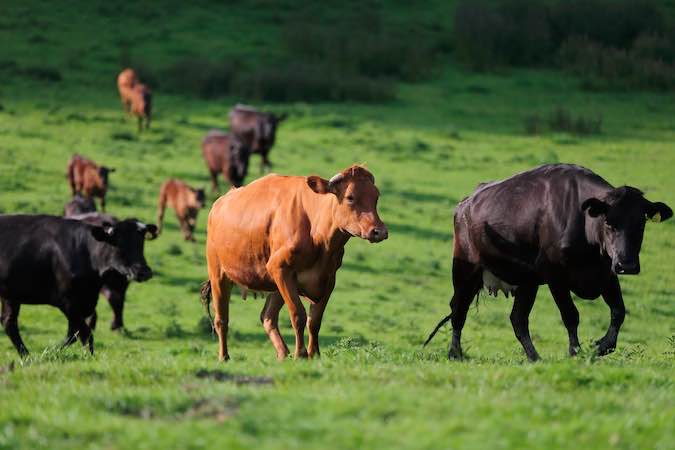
x: 64, y: 263
x: 186, y: 202
x: 227, y: 154
x: 286, y: 235
x: 79, y: 205
x: 87, y: 178
x: 257, y: 129
x: 560, y: 225
x: 135, y: 96
x: 115, y: 285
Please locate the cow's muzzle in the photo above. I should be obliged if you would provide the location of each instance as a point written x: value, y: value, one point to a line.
x: 141, y: 273
x: 626, y: 268
x: 378, y: 234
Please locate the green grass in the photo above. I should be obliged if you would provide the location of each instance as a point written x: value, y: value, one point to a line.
x: 159, y: 385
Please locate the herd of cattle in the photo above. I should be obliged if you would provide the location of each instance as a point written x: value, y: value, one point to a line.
x: 561, y: 225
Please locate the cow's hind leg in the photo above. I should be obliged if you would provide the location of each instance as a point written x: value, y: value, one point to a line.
x: 10, y: 322
x: 269, y: 316
x: 568, y: 313
x: 466, y: 280
x: 220, y: 300
x: 520, y: 318
x: 614, y: 299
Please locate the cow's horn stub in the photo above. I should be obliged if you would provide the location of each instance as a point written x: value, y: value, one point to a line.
x: 335, y: 180
x: 141, y: 226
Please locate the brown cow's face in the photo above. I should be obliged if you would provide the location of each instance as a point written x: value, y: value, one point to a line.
x: 357, y: 198
x: 624, y: 212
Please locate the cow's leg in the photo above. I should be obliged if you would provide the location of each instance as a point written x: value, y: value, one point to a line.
x: 10, y: 322
x: 316, y: 311
x: 115, y: 298
x: 520, y: 318
x: 214, y: 181
x: 269, y: 316
x: 466, y: 280
x: 614, y: 299
x: 220, y: 300
x: 73, y: 329
x: 92, y: 320
x: 85, y: 334
x: 285, y: 281
x: 103, y: 203
x: 568, y: 313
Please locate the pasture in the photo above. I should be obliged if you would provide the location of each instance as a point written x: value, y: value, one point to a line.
x: 158, y: 384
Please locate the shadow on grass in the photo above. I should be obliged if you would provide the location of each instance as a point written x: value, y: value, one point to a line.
x: 419, y: 232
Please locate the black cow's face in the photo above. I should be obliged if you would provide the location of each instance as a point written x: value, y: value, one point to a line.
x: 239, y: 156
x: 126, y: 239
x: 624, y: 212
x: 269, y: 127
x: 104, y: 172
x: 200, y: 197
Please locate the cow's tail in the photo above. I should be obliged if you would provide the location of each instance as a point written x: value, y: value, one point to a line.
x: 443, y: 321
x: 205, y: 298
x: 161, y: 207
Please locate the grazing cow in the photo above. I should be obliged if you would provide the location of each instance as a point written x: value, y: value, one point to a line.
x: 286, y: 235
x: 115, y: 285
x: 87, y: 178
x: 560, y: 225
x: 64, y: 263
x: 257, y: 129
x: 186, y: 202
x: 126, y: 81
x: 79, y: 205
x: 227, y: 154
x: 141, y: 105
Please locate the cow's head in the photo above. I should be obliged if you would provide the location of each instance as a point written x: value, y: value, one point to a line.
x: 357, y: 197
x: 623, y: 212
x: 124, y: 252
x: 239, y: 156
x: 103, y: 173
x: 269, y: 126
x: 199, y: 198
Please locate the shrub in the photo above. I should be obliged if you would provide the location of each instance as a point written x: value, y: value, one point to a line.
x: 562, y: 120
x: 199, y: 76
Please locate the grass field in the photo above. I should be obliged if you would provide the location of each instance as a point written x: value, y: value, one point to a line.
x: 158, y: 384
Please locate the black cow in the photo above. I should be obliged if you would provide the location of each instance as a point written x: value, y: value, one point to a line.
x: 256, y: 129
x: 560, y: 225
x: 64, y: 263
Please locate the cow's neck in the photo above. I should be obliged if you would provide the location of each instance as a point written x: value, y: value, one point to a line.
x: 101, y: 253
x: 325, y: 231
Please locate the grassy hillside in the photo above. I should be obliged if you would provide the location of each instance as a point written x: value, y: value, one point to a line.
x: 159, y: 385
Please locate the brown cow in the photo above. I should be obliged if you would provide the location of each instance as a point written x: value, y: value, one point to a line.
x: 227, y: 154
x: 286, y: 235
x: 186, y: 201
x: 257, y: 129
x: 87, y: 178
x: 135, y: 96
x: 126, y: 81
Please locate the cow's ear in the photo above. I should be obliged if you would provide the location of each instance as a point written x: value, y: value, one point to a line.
x: 151, y: 232
x: 103, y: 234
x: 595, y: 207
x: 658, y: 212
x: 318, y: 184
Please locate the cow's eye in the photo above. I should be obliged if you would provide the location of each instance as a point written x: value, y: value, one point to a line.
x: 350, y: 199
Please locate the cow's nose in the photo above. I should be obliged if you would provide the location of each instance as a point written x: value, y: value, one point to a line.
x: 627, y: 268
x: 143, y: 273
x: 378, y: 234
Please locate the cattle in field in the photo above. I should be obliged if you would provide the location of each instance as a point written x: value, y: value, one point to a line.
x: 256, y: 129
x: 227, y: 154
x: 186, y: 202
x: 136, y: 97
x: 115, y: 285
x: 79, y: 205
x: 560, y: 225
x: 65, y: 263
x: 286, y: 235
x: 126, y: 80
x: 88, y: 178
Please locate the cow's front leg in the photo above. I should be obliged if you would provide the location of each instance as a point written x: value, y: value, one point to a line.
x: 285, y: 280
x: 614, y: 299
x: 10, y: 321
x: 269, y: 316
x: 520, y: 318
x: 314, y: 325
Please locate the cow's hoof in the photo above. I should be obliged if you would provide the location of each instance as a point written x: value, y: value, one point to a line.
x: 116, y: 327
x: 604, y: 347
x: 302, y: 354
x: 455, y: 354
x: 574, y: 350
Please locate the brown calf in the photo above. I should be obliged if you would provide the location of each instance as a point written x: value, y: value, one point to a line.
x: 141, y: 105
x: 227, y: 154
x: 126, y: 81
x: 286, y: 235
x: 186, y: 201
x: 87, y: 178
